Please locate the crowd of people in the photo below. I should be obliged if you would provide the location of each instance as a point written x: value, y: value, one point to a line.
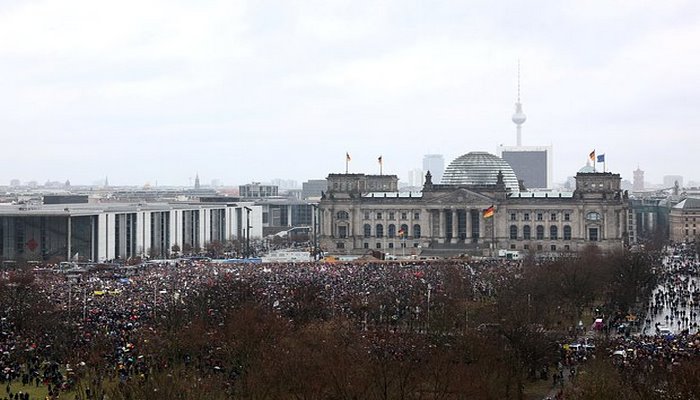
x: 117, y: 308
x: 670, y: 334
x: 121, y: 305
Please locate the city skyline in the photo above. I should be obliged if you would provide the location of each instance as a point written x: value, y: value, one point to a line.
x: 247, y: 91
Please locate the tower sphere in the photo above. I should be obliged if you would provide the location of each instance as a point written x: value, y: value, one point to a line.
x: 519, y: 116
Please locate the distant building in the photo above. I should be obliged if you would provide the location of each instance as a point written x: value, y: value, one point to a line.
x: 66, y: 199
x: 293, y: 194
x: 435, y: 163
x: 532, y: 164
x: 285, y: 184
x: 415, y: 178
x: 638, y: 180
x: 313, y: 188
x: 15, y: 182
x: 647, y: 218
x: 684, y: 220
x: 256, y: 190
x: 670, y: 181
x: 283, y: 214
x: 107, y: 231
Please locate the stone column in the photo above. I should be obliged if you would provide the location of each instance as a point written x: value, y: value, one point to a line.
x: 442, y: 226
x: 455, y: 225
x: 482, y: 231
x: 467, y: 225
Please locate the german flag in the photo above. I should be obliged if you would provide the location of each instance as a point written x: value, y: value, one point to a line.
x: 488, y: 213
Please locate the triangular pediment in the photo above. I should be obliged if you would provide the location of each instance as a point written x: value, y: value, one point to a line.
x: 457, y: 196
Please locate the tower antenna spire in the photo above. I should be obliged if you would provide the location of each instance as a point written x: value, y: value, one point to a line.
x: 518, y: 80
x: 519, y: 117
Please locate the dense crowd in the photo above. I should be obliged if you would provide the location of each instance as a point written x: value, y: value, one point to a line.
x: 111, y: 311
x: 124, y: 305
x: 670, y: 334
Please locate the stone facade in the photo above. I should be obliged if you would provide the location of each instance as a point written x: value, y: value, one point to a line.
x: 354, y: 221
x: 684, y: 220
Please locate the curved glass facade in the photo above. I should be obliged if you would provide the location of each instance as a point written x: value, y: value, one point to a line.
x: 480, y: 168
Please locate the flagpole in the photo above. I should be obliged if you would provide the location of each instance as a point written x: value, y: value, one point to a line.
x: 347, y: 160
x: 493, y: 235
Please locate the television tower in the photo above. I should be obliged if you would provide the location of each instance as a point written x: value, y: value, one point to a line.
x: 519, y: 117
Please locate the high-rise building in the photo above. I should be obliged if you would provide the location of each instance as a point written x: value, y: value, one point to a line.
x: 637, y: 180
x: 532, y: 164
x: 670, y: 181
x: 285, y: 184
x: 415, y: 177
x: 435, y: 163
x: 313, y: 188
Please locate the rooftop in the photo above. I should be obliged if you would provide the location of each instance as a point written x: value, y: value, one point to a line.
x: 394, y: 194
x: 689, y: 203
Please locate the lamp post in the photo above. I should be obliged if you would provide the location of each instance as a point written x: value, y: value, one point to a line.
x: 247, y: 235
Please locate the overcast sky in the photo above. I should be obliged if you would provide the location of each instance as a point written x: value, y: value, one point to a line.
x: 145, y: 91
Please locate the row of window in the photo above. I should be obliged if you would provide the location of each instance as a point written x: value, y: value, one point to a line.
x: 379, y: 215
x: 391, y: 231
x: 391, y: 215
x: 539, y: 232
x: 539, y: 216
x: 378, y: 245
x: 341, y: 245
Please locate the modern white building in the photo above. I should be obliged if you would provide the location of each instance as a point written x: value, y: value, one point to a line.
x: 108, y: 231
x: 435, y: 163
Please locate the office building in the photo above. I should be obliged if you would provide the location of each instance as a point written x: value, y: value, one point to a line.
x: 435, y: 163
x: 256, y: 190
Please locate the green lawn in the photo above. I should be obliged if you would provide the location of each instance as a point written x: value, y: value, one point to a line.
x: 35, y: 392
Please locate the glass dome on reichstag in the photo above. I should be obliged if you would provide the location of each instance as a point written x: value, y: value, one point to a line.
x: 587, y: 169
x: 480, y: 168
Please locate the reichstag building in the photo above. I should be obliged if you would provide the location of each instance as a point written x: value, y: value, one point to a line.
x: 478, y: 208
